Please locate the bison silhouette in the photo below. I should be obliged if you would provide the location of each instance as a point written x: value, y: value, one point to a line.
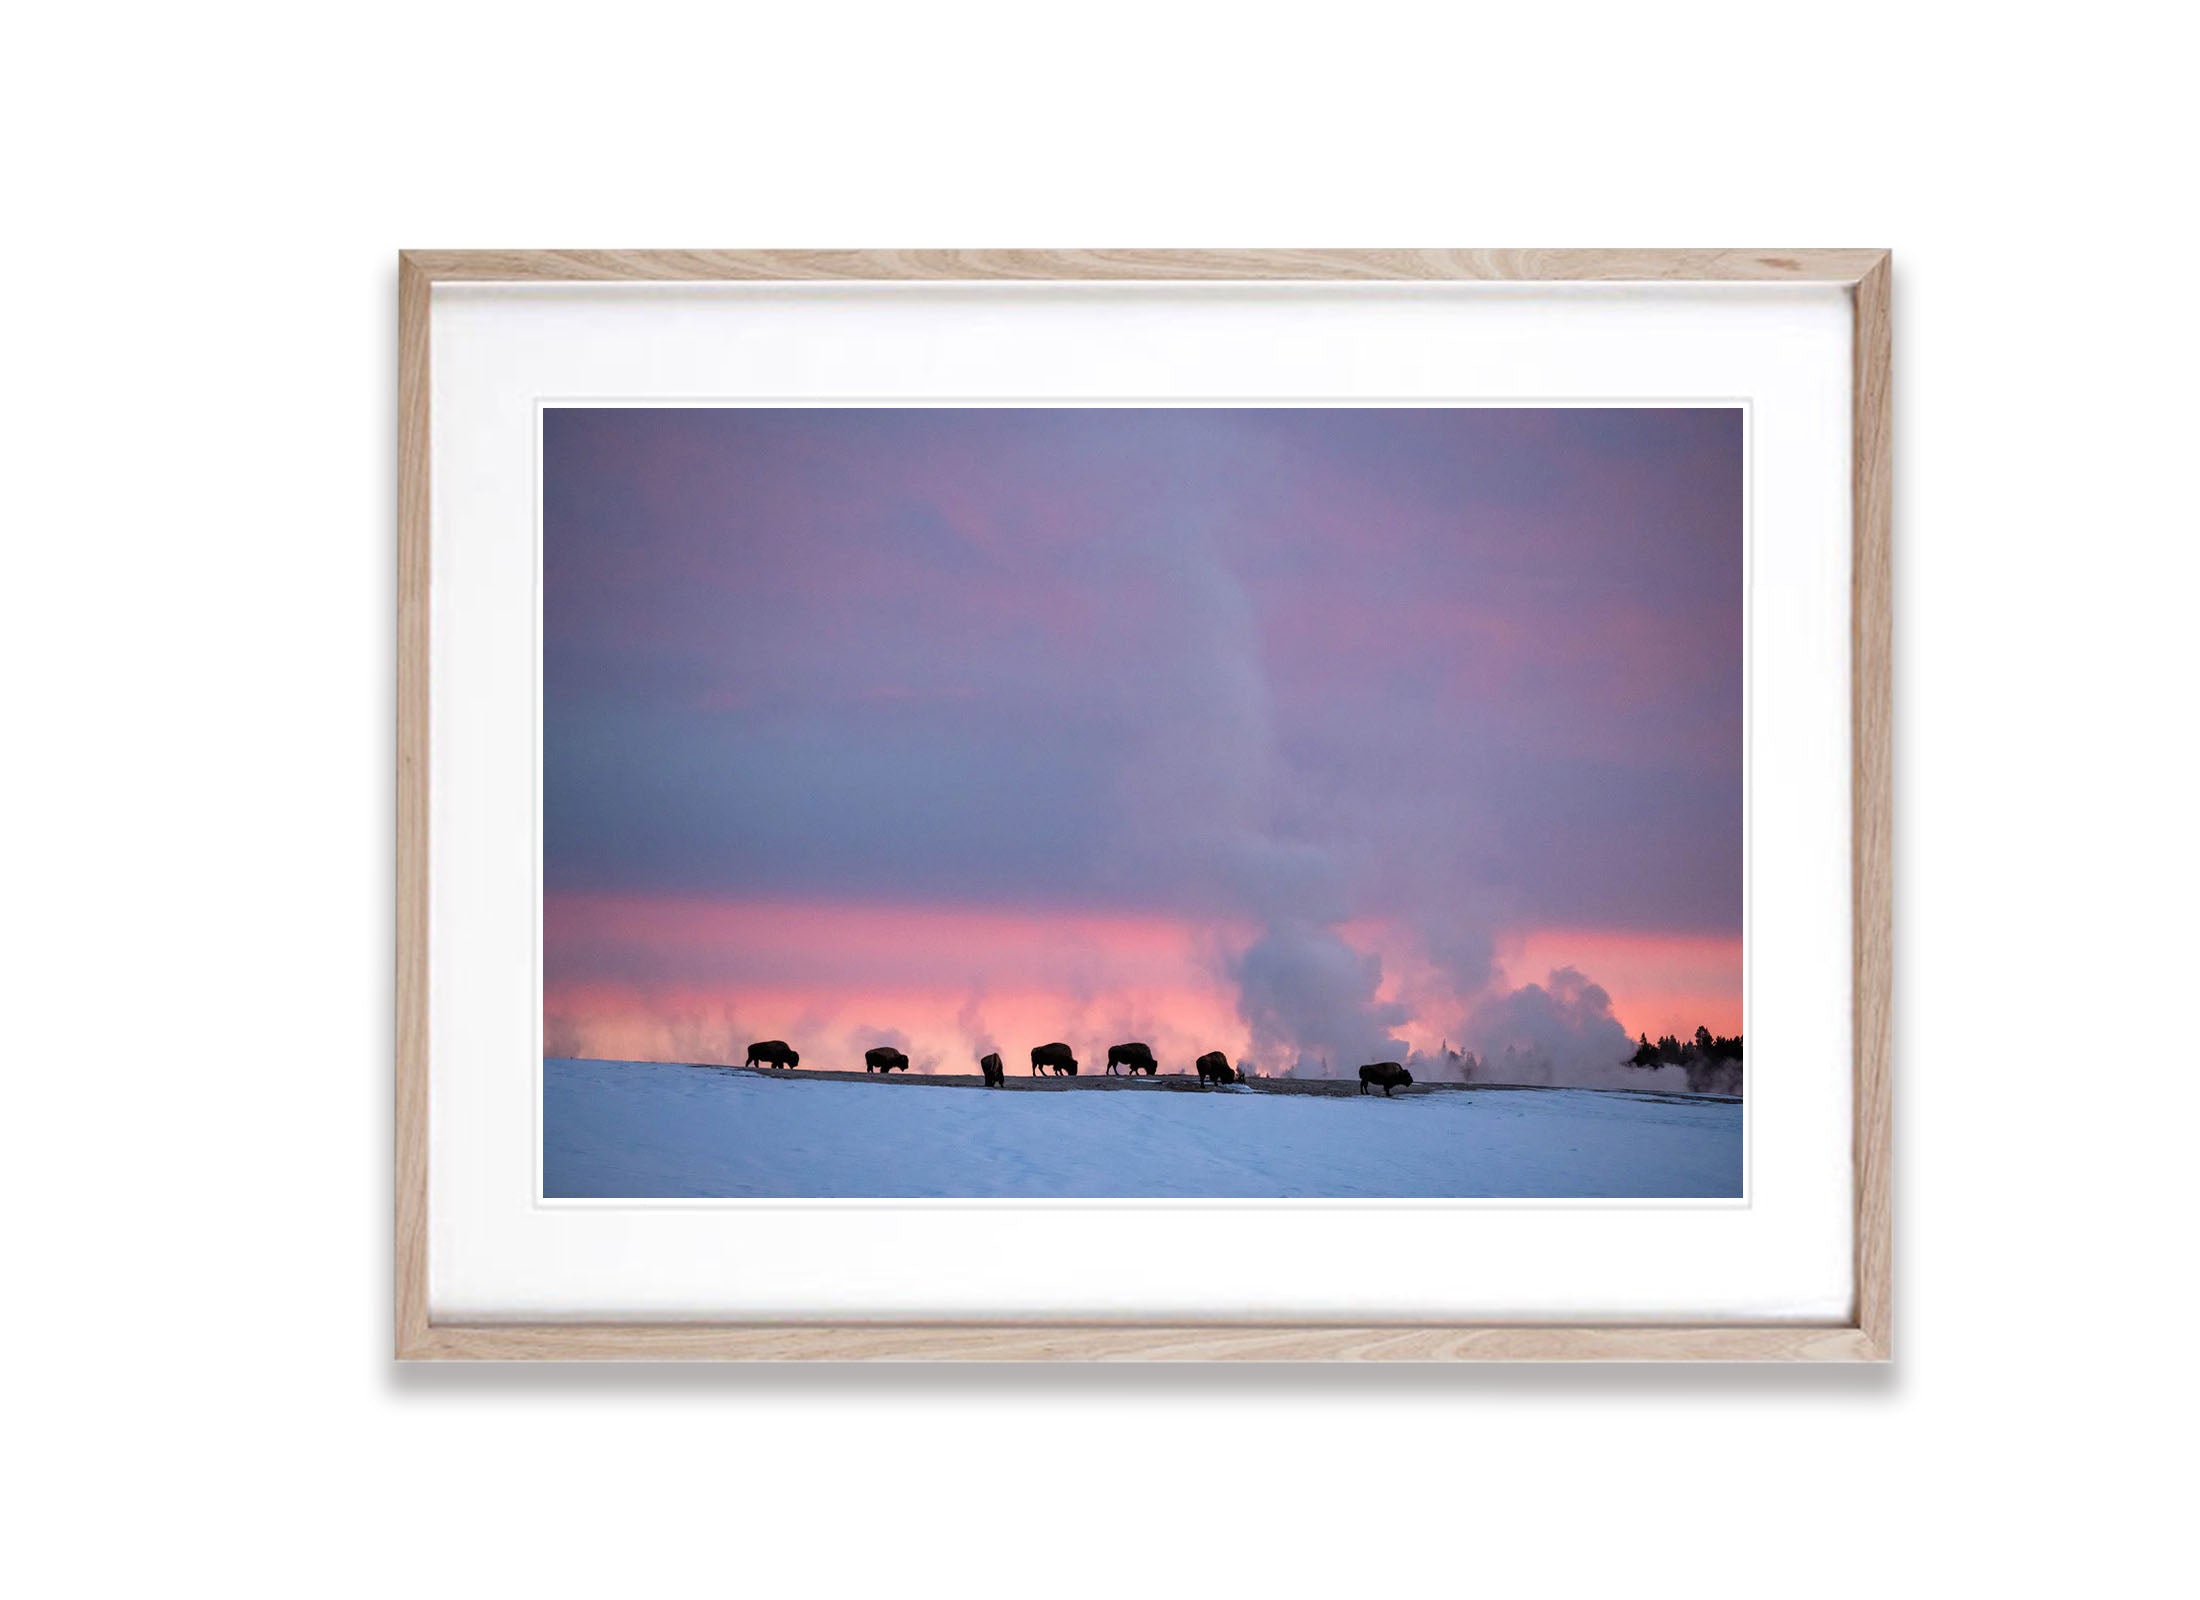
x: 1214, y: 1066
x: 1132, y: 1058
x: 1055, y: 1056
x: 773, y: 1053
x: 996, y: 1077
x: 885, y: 1058
x: 1388, y: 1075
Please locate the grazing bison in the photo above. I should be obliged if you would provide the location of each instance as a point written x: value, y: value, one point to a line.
x: 773, y: 1053
x: 996, y: 1076
x: 1132, y: 1058
x: 885, y: 1058
x: 1214, y: 1066
x: 1056, y: 1056
x: 1388, y: 1074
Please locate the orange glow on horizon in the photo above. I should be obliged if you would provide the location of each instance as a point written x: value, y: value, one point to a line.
x: 690, y: 979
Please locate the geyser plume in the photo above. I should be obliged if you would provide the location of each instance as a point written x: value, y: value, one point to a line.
x: 977, y: 1038
x: 1310, y: 1000
x: 1560, y: 1033
x: 1212, y: 802
x: 1212, y: 781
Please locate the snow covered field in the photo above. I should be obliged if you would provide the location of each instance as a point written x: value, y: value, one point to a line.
x: 633, y: 1130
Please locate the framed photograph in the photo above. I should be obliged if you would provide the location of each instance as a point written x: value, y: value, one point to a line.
x: 1143, y: 805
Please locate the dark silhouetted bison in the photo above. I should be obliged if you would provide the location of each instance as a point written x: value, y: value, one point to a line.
x: 1215, y: 1067
x: 1056, y: 1056
x: 1132, y: 1058
x: 885, y: 1058
x: 1388, y: 1074
x: 996, y: 1076
x: 773, y: 1053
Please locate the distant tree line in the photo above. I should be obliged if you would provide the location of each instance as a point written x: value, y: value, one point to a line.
x: 1713, y: 1063
x: 1703, y: 1050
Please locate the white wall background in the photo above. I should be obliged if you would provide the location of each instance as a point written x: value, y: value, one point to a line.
x: 197, y: 623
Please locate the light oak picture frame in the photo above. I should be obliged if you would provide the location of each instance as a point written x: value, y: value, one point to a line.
x: 1864, y: 1336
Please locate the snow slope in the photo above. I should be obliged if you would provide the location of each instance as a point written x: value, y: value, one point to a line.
x: 633, y: 1130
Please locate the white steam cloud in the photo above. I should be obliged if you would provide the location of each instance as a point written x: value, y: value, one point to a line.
x: 970, y: 1019
x: 1309, y: 999
x: 1559, y: 1032
x: 1211, y: 770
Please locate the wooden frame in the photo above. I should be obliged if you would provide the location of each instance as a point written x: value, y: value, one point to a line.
x: 1865, y: 1336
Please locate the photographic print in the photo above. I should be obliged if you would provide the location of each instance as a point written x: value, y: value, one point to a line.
x: 1107, y: 803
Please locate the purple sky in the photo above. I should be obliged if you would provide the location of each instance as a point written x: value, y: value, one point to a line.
x: 1322, y: 687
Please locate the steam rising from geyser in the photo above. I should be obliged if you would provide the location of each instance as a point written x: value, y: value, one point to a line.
x: 1212, y: 778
